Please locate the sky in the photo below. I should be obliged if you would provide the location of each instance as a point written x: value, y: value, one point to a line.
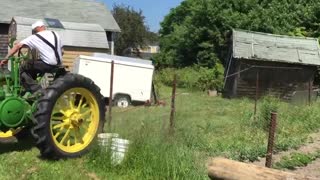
x: 153, y: 10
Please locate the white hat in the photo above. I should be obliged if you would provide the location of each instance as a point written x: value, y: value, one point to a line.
x: 37, y: 24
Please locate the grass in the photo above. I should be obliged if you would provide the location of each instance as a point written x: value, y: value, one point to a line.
x: 296, y: 160
x: 204, y: 127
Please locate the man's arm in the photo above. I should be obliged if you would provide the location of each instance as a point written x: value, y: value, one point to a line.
x: 14, y: 49
x: 11, y: 52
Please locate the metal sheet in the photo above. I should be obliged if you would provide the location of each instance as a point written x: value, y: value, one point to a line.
x: 80, y: 11
x: 279, y: 48
x: 74, y: 34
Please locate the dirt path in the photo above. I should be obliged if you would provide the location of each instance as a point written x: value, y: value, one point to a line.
x: 313, y: 169
x: 313, y: 145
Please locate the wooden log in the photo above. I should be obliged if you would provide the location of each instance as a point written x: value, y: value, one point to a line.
x: 221, y: 168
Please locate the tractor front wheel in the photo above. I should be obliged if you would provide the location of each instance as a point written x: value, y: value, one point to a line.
x: 8, y: 136
x: 69, y: 116
x: 14, y: 134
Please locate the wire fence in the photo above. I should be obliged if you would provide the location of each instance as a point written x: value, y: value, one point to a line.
x: 169, y: 119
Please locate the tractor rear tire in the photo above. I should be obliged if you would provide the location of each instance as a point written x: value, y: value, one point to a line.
x: 70, y: 113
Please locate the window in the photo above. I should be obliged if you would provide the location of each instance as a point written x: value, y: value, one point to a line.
x: 54, y: 23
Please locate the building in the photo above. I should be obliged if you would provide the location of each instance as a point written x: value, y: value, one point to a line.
x: 152, y: 49
x: 261, y: 64
x: 77, y: 38
x: 145, y: 52
x: 77, y: 16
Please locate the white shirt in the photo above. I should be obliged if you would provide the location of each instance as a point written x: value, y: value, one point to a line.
x: 46, y: 52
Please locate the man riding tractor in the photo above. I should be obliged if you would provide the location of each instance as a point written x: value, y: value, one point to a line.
x: 48, y: 44
x: 65, y: 117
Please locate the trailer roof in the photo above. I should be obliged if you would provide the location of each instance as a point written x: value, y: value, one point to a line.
x: 119, y: 60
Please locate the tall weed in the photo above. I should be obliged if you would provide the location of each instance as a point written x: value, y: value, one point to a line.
x: 268, y: 104
x: 149, y: 155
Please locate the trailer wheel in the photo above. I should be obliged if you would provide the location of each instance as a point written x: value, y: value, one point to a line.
x: 122, y: 101
x: 69, y: 116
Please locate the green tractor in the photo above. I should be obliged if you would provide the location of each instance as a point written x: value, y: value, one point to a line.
x: 64, y: 120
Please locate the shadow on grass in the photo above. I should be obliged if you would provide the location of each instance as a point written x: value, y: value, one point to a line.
x: 24, y: 144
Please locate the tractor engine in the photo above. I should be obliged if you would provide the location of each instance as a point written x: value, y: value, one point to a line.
x: 13, y: 111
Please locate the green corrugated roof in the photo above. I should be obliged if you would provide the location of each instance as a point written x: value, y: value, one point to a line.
x: 79, y: 11
x: 279, y: 48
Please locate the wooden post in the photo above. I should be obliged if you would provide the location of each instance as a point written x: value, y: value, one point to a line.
x: 173, y: 97
x: 272, y: 130
x: 257, y: 94
x: 155, y: 96
x: 309, y: 94
x: 220, y: 168
x: 111, y: 93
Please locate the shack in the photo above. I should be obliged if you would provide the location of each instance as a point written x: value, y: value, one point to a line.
x: 69, y: 11
x: 77, y: 38
x: 261, y: 64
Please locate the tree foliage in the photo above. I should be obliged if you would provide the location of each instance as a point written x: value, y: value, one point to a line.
x: 198, y: 31
x: 134, y: 32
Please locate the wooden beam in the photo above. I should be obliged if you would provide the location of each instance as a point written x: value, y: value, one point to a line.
x: 221, y: 168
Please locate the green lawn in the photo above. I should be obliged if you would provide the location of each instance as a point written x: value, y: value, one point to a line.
x: 204, y: 127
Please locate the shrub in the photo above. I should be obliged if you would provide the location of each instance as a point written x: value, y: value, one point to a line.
x: 194, y: 78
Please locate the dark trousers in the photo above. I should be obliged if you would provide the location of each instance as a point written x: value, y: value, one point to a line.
x: 30, y: 70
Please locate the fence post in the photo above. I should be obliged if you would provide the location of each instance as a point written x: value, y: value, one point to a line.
x: 257, y: 95
x: 111, y: 94
x: 272, y: 130
x: 309, y: 94
x: 173, y: 97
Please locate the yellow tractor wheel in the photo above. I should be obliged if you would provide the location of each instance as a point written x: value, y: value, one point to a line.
x: 69, y: 116
x: 14, y: 135
x: 7, y: 136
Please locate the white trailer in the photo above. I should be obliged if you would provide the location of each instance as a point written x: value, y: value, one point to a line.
x: 132, y: 79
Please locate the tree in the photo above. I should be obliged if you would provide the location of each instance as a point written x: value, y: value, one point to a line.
x: 199, y: 31
x: 134, y: 32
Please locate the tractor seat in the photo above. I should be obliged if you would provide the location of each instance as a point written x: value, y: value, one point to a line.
x: 58, y: 70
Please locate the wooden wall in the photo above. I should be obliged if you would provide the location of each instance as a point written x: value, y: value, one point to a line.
x: 71, y: 53
x: 281, y: 81
x: 4, y: 28
x: 3, y: 45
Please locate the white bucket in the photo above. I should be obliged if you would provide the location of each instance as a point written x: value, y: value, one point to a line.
x: 105, y: 139
x: 119, y: 147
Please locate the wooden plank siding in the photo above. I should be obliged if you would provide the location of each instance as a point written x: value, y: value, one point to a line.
x: 4, y: 28
x: 71, y: 53
x: 3, y: 45
x: 278, y: 79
